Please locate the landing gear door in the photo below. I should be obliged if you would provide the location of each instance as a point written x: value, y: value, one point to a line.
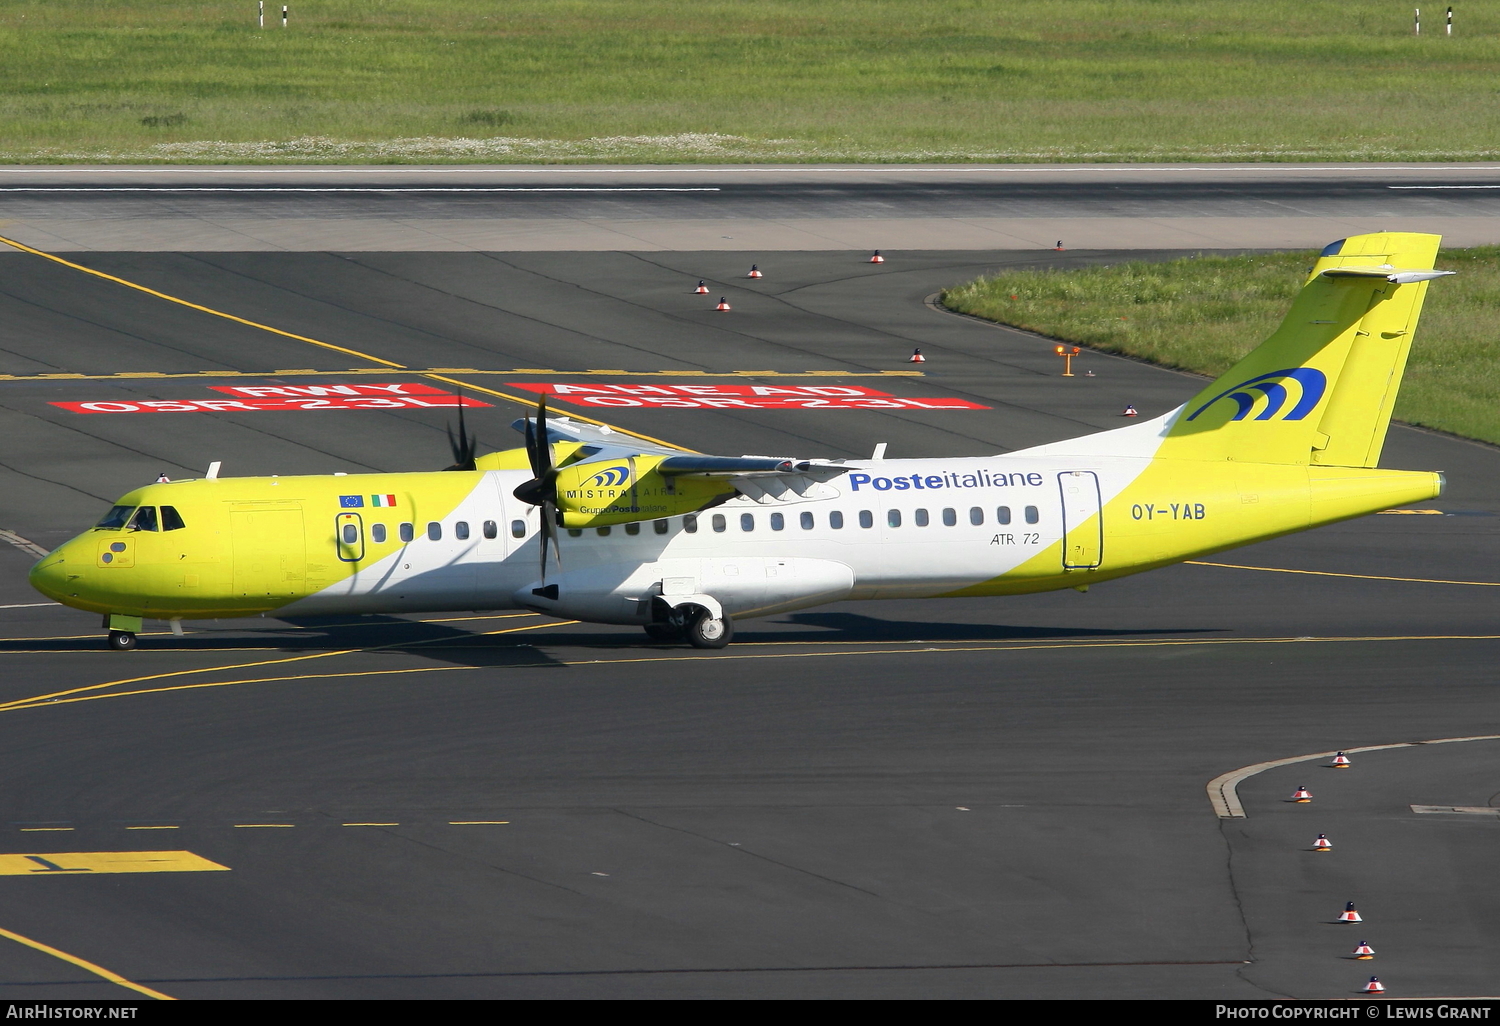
x: 1083, y: 520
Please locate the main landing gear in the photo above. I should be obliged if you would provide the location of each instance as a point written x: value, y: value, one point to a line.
x: 696, y: 625
x: 122, y: 641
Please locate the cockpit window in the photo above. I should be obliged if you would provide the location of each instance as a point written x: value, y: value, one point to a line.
x: 144, y: 519
x: 171, y: 520
x: 116, y: 517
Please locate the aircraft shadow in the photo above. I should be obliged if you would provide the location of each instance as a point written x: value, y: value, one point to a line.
x: 463, y: 647
x: 854, y: 627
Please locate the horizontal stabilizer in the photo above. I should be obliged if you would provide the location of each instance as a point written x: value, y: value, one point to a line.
x: 1390, y: 274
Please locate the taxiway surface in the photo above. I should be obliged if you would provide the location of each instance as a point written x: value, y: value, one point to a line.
x: 946, y: 798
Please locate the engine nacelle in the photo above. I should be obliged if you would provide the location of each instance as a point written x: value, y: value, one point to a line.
x: 629, y: 489
x: 637, y: 593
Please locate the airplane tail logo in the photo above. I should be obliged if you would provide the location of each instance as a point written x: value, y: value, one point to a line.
x: 1311, y: 383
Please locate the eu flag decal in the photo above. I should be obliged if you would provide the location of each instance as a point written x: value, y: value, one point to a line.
x: 351, y: 501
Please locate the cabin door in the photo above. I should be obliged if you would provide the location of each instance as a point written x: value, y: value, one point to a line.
x: 1082, y: 519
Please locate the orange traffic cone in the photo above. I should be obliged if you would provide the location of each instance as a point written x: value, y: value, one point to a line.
x: 1059, y: 245
x: 917, y: 357
x: 1302, y: 795
x: 1364, y: 952
x: 701, y: 290
x: 755, y: 272
x: 1374, y: 986
x: 877, y: 258
x: 1349, y: 915
x: 1129, y: 411
x: 1322, y: 843
x: 723, y: 304
x: 1340, y: 761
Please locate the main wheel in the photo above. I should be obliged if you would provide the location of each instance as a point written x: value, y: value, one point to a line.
x: 121, y: 641
x: 664, y: 632
x: 708, y: 631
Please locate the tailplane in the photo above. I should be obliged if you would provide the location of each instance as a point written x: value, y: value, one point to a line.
x: 1321, y: 389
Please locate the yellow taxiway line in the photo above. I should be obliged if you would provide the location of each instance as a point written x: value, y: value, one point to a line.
x: 384, y: 363
x: 85, y: 964
x: 1329, y: 573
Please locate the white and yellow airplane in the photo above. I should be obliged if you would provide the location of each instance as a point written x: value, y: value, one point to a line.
x: 683, y: 544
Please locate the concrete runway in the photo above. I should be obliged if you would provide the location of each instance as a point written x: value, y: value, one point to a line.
x: 739, y: 209
x: 959, y: 798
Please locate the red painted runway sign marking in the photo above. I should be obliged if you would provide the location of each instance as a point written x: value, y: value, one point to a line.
x: 756, y: 397
x: 283, y: 398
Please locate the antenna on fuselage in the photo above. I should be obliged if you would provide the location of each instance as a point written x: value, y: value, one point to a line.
x: 213, y: 470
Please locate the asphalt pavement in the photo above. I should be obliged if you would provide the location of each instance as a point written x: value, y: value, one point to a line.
x: 950, y: 798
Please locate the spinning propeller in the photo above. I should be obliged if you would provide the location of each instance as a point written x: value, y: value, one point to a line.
x: 541, y: 490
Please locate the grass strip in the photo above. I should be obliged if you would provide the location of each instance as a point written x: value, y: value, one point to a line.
x: 745, y: 80
x: 1203, y: 313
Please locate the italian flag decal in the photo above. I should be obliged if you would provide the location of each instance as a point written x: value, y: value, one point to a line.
x: 382, y: 500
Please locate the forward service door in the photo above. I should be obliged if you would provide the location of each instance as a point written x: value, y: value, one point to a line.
x: 1082, y: 520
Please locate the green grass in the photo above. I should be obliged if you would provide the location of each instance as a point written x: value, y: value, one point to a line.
x: 739, y: 80
x: 1203, y: 314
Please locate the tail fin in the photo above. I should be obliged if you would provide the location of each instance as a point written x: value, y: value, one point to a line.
x: 1320, y: 390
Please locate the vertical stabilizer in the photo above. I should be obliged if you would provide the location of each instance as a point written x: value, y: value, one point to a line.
x: 1321, y: 389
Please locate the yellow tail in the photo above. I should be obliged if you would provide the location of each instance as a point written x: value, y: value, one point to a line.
x: 1320, y: 390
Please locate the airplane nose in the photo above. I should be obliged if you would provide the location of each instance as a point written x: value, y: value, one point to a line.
x: 49, y: 575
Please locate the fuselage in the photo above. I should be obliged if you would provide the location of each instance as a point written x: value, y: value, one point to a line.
x: 1038, y: 520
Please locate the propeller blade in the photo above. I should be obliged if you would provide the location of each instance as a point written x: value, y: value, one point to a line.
x: 545, y: 441
x: 550, y: 537
x: 463, y: 447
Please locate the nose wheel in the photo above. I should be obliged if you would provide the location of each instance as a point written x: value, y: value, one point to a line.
x: 122, y: 641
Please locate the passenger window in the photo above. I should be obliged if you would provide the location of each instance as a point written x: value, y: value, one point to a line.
x: 893, y: 518
x: 976, y: 516
x: 836, y: 520
x: 603, y: 532
x: 807, y: 521
x: 407, y: 532
x: 461, y: 530
x: 144, y: 519
x: 950, y: 517
x: 434, y: 531
x: 517, y: 529
x: 747, y: 521
x: 117, y: 517
x: 660, y: 527
x: 171, y: 520
x: 866, y: 518
x: 1003, y: 514
x: 690, y: 524
x: 719, y: 522
x: 1032, y: 515
x: 778, y: 522
x: 632, y: 528
x: 377, y: 533
x: 573, y: 532
x: 351, y: 534
x: 921, y: 518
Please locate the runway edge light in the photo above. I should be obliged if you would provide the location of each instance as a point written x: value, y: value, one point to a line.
x: 1364, y: 952
x: 1340, y: 761
x: 1349, y: 915
x: 1322, y: 843
x: 1302, y: 795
